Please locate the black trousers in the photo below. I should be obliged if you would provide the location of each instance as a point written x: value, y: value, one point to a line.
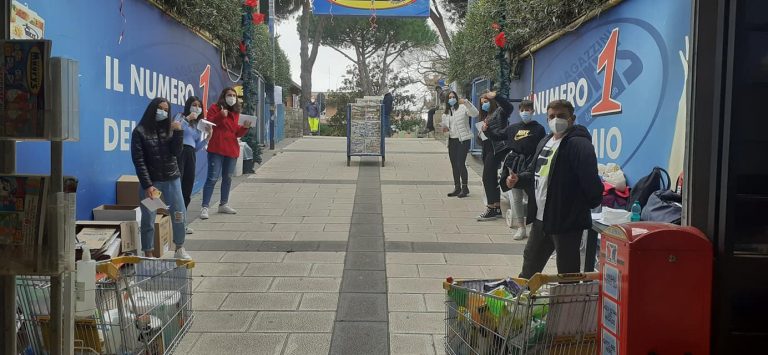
x: 457, y: 152
x: 491, y: 163
x: 540, y: 246
x: 186, y: 162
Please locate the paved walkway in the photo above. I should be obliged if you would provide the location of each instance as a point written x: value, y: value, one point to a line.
x: 324, y: 258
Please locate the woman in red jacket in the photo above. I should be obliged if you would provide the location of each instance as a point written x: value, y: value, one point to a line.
x: 223, y: 149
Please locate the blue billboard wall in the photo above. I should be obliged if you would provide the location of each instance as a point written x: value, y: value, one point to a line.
x: 381, y: 8
x: 626, y: 74
x: 157, y: 57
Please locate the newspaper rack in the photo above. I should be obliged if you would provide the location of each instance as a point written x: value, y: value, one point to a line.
x: 365, y: 129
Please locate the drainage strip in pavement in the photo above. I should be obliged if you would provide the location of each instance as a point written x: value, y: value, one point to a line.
x: 362, y: 316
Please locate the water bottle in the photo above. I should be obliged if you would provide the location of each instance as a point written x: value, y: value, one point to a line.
x: 636, y: 209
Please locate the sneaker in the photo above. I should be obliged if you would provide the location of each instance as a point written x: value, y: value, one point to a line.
x: 189, y: 230
x: 181, y: 254
x: 204, y: 213
x: 464, y: 192
x: 520, y: 233
x: 227, y: 210
x: 490, y: 214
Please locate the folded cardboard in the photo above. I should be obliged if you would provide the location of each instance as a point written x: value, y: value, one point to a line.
x: 130, y: 237
x: 163, y: 235
x: 127, y: 190
x: 117, y: 213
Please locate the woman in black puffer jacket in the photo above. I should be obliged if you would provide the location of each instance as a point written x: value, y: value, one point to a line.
x: 155, y: 143
x: 496, y: 110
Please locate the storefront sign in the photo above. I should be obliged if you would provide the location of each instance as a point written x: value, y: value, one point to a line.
x: 379, y: 8
x: 128, y: 55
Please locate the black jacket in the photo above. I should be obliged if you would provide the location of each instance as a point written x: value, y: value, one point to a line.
x: 154, y: 155
x: 499, y: 121
x: 521, y: 137
x: 574, y: 184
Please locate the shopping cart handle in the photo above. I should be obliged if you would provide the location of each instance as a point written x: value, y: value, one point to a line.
x: 538, y: 280
x: 112, y: 267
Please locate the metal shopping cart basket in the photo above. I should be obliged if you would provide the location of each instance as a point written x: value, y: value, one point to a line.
x: 551, y: 314
x: 143, y: 306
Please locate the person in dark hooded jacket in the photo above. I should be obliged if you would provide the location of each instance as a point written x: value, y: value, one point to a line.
x: 567, y: 186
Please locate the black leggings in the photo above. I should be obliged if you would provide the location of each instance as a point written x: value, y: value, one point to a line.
x: 187, y: 161
x: 491, y: 163
x: 540, y: 246
x: 457, y: 152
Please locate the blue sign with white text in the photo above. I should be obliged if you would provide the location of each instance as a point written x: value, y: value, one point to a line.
x: 128, y: 55
x: 626, y: 74
x: 380, y: 8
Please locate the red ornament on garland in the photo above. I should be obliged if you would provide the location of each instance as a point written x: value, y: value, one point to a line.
x: 242, y: 47
x: 250, y: 3
x: 496, y: 27
x: 258, y: 18
x: 500, y: 40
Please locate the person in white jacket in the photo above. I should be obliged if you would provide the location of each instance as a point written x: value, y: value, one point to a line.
x: 456, y: 122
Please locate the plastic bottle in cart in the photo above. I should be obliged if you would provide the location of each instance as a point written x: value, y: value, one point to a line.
x: 636, y: 209
x: 85, y: 285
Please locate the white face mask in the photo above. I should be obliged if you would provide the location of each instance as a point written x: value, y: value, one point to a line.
x: 231, y: 100
x: 161, y: 115
x: 525, y: 116
x: 195, y: 110
x: 558, y: 125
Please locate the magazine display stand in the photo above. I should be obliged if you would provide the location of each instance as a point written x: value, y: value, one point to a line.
x: 365, y: 129
x: 38, y: 102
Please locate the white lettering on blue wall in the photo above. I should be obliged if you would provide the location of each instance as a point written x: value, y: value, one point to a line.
x: 145, y: 82
x: 575, y: 92
x: 117, y: 134
x: 607, y: 144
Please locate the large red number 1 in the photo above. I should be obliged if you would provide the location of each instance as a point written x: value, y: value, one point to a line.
x: 607, y: 61
x: 205, y: 79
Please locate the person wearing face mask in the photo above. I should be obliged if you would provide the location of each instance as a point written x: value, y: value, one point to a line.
x: 496, y: 110
x: 456, y: 122
x: 313, y: 112
x: 156, y: 142
x: 193, y: 143
x: 522, y: 138
x: 223, y: 149
x: 566, y: 186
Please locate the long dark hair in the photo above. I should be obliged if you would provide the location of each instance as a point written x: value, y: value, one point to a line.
x: 188, y: 109
x: 149, y: 122
x: 449, y: 107
x: 492, y: 109
x: 222, y: 102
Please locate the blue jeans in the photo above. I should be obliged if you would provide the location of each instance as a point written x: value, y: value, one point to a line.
x: 171, y: 195
x: 218, y: 166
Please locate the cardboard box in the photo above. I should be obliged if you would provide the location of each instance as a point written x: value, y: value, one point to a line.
x: 130, y: 233
x: 127, y: 190
x: 117, y: 213
x: 163, y: 235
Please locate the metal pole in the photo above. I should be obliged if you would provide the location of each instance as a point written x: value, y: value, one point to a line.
x: 62, y: 303
x: 8, y: 166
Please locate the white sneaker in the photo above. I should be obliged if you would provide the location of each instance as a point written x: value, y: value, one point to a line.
x: 181, y: 254
x: 519, y: 233
x: 227, y: 210
x: 204, y: 213
x: 189, y: 230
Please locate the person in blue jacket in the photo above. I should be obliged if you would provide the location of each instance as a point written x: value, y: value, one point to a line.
x: 193, y: 142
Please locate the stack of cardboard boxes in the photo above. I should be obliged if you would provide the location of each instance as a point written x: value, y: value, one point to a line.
x: 125, y: 218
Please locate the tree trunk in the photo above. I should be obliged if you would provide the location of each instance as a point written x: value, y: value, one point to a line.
x: 307, y: 58
x: 437, y: 19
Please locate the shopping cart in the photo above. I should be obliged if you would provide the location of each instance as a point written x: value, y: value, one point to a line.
x: 551, y: 314
x: 143, y: 306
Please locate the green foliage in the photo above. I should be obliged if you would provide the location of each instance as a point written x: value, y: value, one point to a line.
x: 409, y: 124
x: 337, y: 124
x: 261, y: 57
x: 528, y: 21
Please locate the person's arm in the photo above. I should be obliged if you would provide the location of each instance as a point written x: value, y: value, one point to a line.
x: 177, y: 141
x: 585, y: 161
x: 526, y: 178
x: 241, y: 130
x: 499, y: 134
x: 471, y: 109
x: 213, y: 114
x: 505, y: 105
x: 503, y: 179
x: 137, y: 156
x: 531, y: 142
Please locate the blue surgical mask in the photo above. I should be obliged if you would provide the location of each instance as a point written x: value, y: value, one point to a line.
x: 486, y: 106
x: 452, y: 101
x: 525, y: 116
x: 161, y: 115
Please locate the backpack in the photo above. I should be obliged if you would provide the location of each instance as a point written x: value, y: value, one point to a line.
x: 648, y: 185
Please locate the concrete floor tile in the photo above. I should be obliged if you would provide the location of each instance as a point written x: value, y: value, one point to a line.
x: 277, y: 269
x: 319, y: 301
x: 212, y: 235
x: 362, y: 307
x: 268, y: 236
x: 455, y: 271
x: 476, y: 259
x: 187, y: 343
x: 366, y: 244
x: 406, y: 302
x: 411, y: 237
x: 218, y: 269
x: 322, y: 235
x: 305, y: 284
x: 364, y: 281
x: 221, y: 322
x: 261, y: 301
x: 206, y: 256
x: 315, y: 257
x: 207, y: 301
x: 252, y: 257
x: 368, y: 338
x: 435, y: 302
x: 337, y: 228
x: 293, y: 322
x: 245, y: 343
x: 416, y: 323
x: 500, y: 272
x: 464, y: 238
x: 415, y: 285
x: 394, y: 228
x: 402, y: 270
x: 411, y: 344
x: 364, y: 260
x: 299, y: 227
x: 415, y: 258
x: 326, y: 220
x: 308, y: 344
x: 234, y: 284
x: 326, y: 270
